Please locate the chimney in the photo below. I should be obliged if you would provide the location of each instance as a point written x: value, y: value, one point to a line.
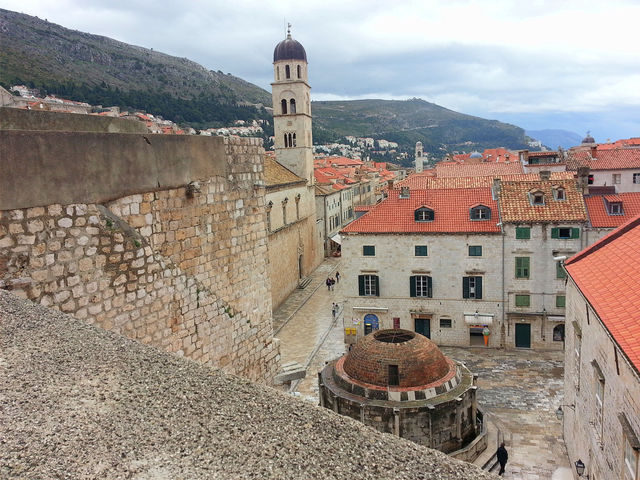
x: 404, y: 192
x: 495, y: 190
x: 545, y: 174
x: 390, y: 184
x: 524, y: 157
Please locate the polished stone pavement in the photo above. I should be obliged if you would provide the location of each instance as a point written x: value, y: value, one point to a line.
x: 519, y: 390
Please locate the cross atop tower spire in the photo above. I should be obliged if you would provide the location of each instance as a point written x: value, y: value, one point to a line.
x: 288, y: 30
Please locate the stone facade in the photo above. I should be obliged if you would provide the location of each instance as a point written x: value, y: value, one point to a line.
x: 595, y: 433
x: 182, y: 266
x: 447, y: 316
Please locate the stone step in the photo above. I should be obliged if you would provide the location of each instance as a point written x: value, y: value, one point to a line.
x: 290, y: 371
x: 304, y: 283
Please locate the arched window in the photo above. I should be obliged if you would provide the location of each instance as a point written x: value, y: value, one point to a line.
x: 277, y: 73
x: 558, y: 333
x: 286, y: 141
x: 299, y: 72
x: 480, y: 212
x: 284, y: 106
x: 292, y: 104
x: 287, y: 71
x: 294, y: 140
x: 423, y: 214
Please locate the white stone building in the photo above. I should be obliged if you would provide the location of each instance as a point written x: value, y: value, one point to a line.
x: 602, y: 356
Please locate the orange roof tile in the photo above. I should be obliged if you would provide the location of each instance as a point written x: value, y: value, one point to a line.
x: 599, y: 216
x: 451, y: 213
x: 478, y: 169
x: 276, y: 175
x: 615, y: 159
x: 516, y: 206
x: 420, y: 182
x: 607, y: 275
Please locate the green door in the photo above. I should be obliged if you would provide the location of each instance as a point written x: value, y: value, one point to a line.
x: 523, y: 335
x: 423, y: 326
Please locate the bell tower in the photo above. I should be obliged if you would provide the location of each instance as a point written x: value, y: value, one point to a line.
x: 290, y: 89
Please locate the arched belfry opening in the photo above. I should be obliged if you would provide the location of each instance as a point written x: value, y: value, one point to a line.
x: 292, y: 104
x: 284, y: 106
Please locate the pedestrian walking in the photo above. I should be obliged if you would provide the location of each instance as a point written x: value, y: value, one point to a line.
x: 503, y: 456
x: 337, y: 277
x: 334, y: 309
x: 328, y: 283
x: 332, y: 282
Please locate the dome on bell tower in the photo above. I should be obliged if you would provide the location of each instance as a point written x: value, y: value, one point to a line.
x: 289, y: 49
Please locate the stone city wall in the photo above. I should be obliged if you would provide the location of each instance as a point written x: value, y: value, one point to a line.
x: 184, y: 271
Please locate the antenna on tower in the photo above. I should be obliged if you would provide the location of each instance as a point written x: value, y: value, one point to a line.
x: 288, y: 30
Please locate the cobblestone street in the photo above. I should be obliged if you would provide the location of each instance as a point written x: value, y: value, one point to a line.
x: 519, y: 390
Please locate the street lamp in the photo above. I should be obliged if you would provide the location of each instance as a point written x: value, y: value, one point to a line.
x: 560, y: 413
x: 580, y: 469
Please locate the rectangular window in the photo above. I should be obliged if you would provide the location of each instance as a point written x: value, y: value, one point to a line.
x: 368, y: 286
x: 590, y: 180
x: 472, y: 287
x: 561, y: 301
x: 577, y: 341
x: 630, y: 459
x: 560, y: 271
x: 636, y: 178
x: 523, y: 233
x: 565, y: 232
x: 475, y: 250
x: 420, y: 286
x: 394, y: 377
x: 523, y: 300
x: 445, y: 323
x: 369, y: 250
x: 396, y: 322
x: 522, y: 267
x: 421, y: 250
x: 615, y: 178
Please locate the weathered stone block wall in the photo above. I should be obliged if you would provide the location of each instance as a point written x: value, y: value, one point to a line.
x: 183, y: 273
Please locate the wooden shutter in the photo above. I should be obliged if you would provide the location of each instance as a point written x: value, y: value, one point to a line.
x: 376, y: 285
x: 575, y: 233
x: 412, y: 286
x: 554, y: 232
x: 430, y: 288
x: 465, y: 287
x: 478, y: 287
x: 361, y: 285
x: 415, y: 215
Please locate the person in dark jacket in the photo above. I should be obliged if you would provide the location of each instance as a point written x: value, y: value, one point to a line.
x: 503, y: 456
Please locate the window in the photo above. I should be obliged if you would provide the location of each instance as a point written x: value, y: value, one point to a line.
x: 289, y: 140
x: 590, y: 180
x: 480, y: 213
x: 558, y: 194
x: 560, y: 271
x: 523, y: 300
x: 421, y: 251
x: 636, y: 178
x: 558, y: 333
x: 424, y: 215
x: 445, y: 323
x: 299, y: 71
x: 565, y: 232
x: 523, y: 233
x: 368, y: 286
x: 631, y: 454
x: 561, y: 301
x: 615, y: 179
x: 536, y: 198
x: 292, y: 103
x: 615, y: 208
x: 475, y: 250
x: 394, y: 376
x: 287, y: 71
x: 420, y: 286
x: 522, y: 267
x: 396, y: 323
x: 472, y: 287
x: 369, y: 250
x: 283, y: 104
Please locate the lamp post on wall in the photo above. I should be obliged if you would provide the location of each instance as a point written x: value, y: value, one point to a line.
x: 560, y: 412
x: 580, y: 467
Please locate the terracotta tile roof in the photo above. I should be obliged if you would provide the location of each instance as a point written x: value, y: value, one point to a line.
x: 421, y: 182
x: 515, y: 203
x: 339, y: 161
x: 607, y: 275
x: 363, y: 208
x: 276, y: 175
x: 478, y: 169
x: 324, y: 190
x: 615, y: 159
x: 599, y: 216
x: 578, y: 158
x: 451, y: 213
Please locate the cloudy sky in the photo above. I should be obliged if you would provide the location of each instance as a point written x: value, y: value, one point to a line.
x: 538, y: 64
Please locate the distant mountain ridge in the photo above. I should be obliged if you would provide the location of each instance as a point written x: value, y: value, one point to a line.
x: 102, y: 71
x: 556, y: 138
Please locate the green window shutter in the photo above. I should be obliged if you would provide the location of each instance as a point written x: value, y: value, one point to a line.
x: 575, y: 233
x: 430, y: 287
x: 361, y: 285
x: 554, y: 232
x: 420, y: 250
x: 561, y: 300
x: 478, y: 287
x: 523, y: 300
x: 415, y: 215
x: 376, y: 285
x: 412, y: 286
x: 465, y: 287
x: 523, y: 233
x: 560, y: 273
x: 522, y: 267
